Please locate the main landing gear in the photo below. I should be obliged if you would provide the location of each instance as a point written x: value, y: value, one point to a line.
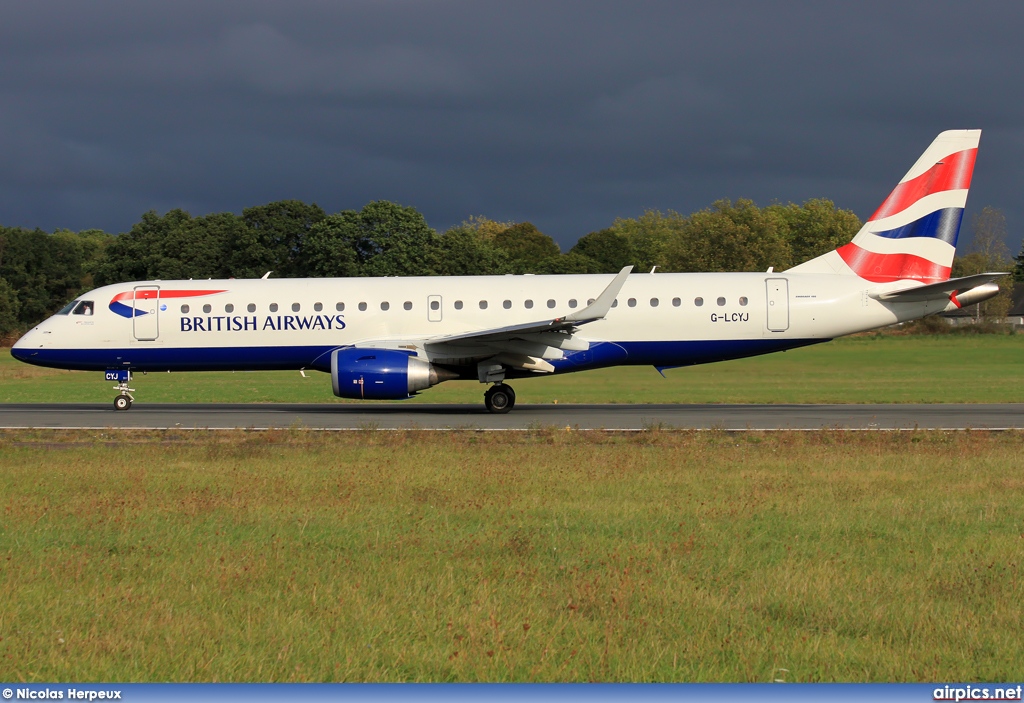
x: 500, y: 398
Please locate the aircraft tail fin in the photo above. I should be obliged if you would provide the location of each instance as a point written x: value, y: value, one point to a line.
x: 913, y: 233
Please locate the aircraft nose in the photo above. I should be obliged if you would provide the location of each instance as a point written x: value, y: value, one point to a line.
x: 22, y: 349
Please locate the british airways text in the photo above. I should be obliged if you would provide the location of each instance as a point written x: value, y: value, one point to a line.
x: 251, y: 323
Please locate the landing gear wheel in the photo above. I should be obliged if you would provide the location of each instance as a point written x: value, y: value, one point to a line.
x: 499, y: 399
x: 124, y: 398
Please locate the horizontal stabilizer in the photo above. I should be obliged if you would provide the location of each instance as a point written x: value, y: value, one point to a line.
x: 936, y: 291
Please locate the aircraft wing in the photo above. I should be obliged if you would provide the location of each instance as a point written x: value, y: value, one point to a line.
x: 937, y: 291
x: 527, y: 345
x: 568, y: 323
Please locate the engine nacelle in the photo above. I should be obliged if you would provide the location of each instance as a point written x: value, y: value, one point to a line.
x: 380, y: 374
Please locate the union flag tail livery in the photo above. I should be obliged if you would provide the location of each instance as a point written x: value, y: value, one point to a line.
x: 912, y: 235
x: 392, y: 338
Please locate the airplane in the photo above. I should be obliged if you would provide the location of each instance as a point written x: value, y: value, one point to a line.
x: 392, y: 338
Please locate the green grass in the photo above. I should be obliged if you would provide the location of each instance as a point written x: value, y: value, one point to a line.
x: 544, y: 556
x: 865, y: 369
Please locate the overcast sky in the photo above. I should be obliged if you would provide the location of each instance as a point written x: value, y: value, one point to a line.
x: 564, y: 114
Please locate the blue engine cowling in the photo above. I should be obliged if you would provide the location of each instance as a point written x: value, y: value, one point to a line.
x: 379, y: 374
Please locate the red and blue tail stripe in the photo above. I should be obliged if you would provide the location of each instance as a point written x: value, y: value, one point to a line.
x: 881, y: 268
x: 119, y: 306
x: 952, y: 173
x: 913, y: 233
x: 942, y: 224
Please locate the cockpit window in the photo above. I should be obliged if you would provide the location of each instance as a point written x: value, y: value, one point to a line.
x: 84, y: 308
x: 66, y: 310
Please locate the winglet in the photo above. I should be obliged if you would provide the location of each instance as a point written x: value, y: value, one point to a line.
x: 600, y: 307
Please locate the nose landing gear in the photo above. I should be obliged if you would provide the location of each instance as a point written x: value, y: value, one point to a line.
x: 123, y: 377
x: 499, y: 398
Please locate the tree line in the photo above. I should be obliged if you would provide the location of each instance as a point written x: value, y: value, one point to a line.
x: 40, y: 272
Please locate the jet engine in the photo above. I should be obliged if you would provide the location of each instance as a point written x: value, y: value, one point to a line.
x: 382, y: 374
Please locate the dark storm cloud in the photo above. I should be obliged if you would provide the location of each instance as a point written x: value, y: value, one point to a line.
x: 568, y: 115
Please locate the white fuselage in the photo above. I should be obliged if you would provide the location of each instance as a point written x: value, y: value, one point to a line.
x: 296, y: 323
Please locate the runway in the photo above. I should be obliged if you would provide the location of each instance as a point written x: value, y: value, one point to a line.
x: 453, y: 417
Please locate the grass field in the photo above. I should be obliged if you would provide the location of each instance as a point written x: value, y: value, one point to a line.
x: 865, y: 369
x: 547, y: 556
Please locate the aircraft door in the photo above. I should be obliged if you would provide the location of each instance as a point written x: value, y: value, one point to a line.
x: 146, y: 313
x: 778, y: 304
x: 434, y: 308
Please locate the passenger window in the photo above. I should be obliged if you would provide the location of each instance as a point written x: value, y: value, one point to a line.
x: 385, y: 306
x: 317, y: 307
x: 229, y: 308
x: 654, y: 302
x: 184, y: 308
x: 436, y: 305
x: 615, y: 303
x: 407, y: 305
x: 296, y: 307
x: 273, y: 307
x: 590, y: 301
x: 362, y: 307
x: 721, y: 302
x: 483, y: 304
x: 251, y: 307
x: 507, y: 305
x: 572, y: 302
x: 207, y: 308
x: 743, y: 300
x: 676, y: 302
x: 340, y: 307
x: 551, y: 303
x: 698, y: 301
x: 84, y: 308
x: 458, y: 305
x: 631, y: 302
x: 528, y: 304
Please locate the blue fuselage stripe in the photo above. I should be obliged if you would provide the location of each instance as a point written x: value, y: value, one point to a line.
x: 662, y: 354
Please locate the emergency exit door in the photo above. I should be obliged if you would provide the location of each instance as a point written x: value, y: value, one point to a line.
x: 146, y: 313
x: 778, y: 304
